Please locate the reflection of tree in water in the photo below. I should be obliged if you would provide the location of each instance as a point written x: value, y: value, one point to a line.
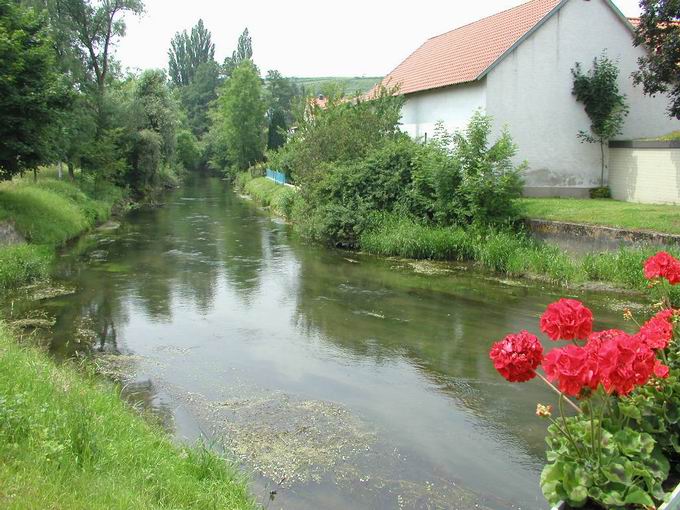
x: 441, y: 325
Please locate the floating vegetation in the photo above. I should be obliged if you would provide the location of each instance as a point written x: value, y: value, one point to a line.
x: 428, y: 267
x: 46, y: 290
x: 38, y: 319
x: 286, y: 440
x: 119, y: 367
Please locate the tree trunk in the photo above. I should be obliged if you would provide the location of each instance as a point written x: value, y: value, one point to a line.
x: 71, y: 173
x: 35, y: 175
x: 60, y: 170
x: 602, y: 161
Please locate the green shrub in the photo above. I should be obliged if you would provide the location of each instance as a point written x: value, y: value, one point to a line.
x: 23, y: 263
x: 187, y: 151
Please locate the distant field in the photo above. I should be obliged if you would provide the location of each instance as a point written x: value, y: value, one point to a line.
x: 352, y: 84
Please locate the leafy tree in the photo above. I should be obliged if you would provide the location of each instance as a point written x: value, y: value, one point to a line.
x: 240, y: 118
x: 276, y: 134
x: 199, y: 94
x: 31, y: 92
x: 606, y: 107
x: 659, y: 30
x: 188, y: 52
x: 282, y: 91
x: 92, y: 26
x: 188, y: 152
x: 243, y: 51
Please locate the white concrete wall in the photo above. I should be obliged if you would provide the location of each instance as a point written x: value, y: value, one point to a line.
x: 452, y: 105
x: 648, y: 176
x: 530, y: 92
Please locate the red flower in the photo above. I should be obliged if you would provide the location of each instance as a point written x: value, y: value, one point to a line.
x: 663, y: 265
x: 657, y: 331
x: 571, y: 367
x: 661, y: 371
x: 516, y: 357
x: 626, y: 362
x: 566, y: 320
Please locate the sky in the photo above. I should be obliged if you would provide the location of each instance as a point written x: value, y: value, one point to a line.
x: 308, y: 38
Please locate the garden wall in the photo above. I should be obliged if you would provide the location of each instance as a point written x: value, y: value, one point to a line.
x: 647, y: 172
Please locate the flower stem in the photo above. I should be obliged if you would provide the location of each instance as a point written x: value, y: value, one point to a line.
x: 554, y: 388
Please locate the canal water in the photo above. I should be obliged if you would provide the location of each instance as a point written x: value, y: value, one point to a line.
x: 336, y: 380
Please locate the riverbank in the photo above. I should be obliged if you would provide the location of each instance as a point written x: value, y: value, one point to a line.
x: 40, y: 216
x: 512, y: 254
x: 67, y: 439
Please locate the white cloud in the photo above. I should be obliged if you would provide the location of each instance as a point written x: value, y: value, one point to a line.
x: 305, y: 37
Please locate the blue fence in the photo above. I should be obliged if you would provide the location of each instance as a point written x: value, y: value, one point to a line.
x: 277, y: 177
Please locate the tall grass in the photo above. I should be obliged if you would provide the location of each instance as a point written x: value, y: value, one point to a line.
x: 48, y: 213
x: 505, y: 252
x: 68, y: 441
x: 281, y: 199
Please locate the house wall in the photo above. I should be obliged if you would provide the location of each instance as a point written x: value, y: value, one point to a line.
x: 530, y: 92
x: 452, y: 105
x: 649, y: 175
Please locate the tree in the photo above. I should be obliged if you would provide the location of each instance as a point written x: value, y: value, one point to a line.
x: 659, y: 31
x: 31, y: 91
x: 93, y: 26
x: 276, y: 135
x: 240, y: 118
x: 606, y: 107
x: 188, y: 52
x: 243, y: 51
x: 199, y: 94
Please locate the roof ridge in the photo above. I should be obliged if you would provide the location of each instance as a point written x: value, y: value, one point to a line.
x: 484, y: 18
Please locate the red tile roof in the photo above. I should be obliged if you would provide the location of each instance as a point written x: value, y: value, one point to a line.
x: 464, y: 54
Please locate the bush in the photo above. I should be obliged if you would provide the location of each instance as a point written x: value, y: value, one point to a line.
x: 602, y: 192
x: 188, y: 151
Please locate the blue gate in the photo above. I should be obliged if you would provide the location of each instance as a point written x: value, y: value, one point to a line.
x: 276, y: 176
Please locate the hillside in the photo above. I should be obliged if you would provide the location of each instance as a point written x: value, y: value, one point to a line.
x: 352, y: 84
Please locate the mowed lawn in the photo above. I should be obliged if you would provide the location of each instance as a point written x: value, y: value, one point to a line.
x: 607, y: 212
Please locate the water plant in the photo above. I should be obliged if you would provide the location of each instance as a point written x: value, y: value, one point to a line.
x: 622, y: 392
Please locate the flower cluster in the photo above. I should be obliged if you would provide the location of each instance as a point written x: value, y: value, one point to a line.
x: 663, y: 265
x: 613, y: 359
x: 516, y: 357
x: 567, y: 319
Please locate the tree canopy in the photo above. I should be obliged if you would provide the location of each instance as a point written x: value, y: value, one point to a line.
x: 659, y: 32
x: 243, y: 51
x: 188, y: 52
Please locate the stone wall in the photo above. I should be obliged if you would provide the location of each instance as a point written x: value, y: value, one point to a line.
x: 645, y: 172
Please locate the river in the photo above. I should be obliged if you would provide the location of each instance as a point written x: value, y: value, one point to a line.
x: 336, y: 380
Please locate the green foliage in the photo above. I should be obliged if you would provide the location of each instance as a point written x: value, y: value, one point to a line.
x: 659, y: 30
x: 32, y: 94
x: 276, y: 132
x: 623, y: 468
x: 243, y: 52
x: 197, y: 96
x: 356, y: 84
x: 65, y: 436
x: 240, y: 118
x: 23, y: 263
x: 603, y: 192
x: 480, y: 182
x: 188, y: 150
x: 281, y: 199
x: 606, y: 107
x: 188, y: 52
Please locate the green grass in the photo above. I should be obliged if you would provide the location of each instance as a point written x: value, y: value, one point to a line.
x: 504, y: 252
x: 47, y: 214
x: 611, y: 213
x: 281, y: 199
x: 68, y: 441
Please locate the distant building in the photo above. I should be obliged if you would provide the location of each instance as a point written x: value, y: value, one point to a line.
x: 516, y: 66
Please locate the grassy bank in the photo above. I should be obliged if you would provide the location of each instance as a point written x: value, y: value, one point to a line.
x: 508, y: 253
x: 68, y: 441
x: 610, y: 213
x: 47, y: 214
x: 280, y: 199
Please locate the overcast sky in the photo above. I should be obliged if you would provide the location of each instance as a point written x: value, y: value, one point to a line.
x: 308, y: 38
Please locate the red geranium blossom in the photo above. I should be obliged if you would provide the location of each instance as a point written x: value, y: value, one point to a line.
x: 663, y: 265
x: 571, y: 367
x: 567, y: 319
x: 657, y: 331
x: 517, y: 356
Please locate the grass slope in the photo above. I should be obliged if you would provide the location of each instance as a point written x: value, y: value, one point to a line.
x: 612, y: 213
x: 352, y: 84
x: 68, y: 441
x: 47, y: 213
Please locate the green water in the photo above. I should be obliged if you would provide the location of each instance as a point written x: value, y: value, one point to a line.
x: 338, y: 380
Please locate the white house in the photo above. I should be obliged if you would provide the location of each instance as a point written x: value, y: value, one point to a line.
x: 516, y: 65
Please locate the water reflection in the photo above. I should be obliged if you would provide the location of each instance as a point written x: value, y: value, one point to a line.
x: 224, y: 303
